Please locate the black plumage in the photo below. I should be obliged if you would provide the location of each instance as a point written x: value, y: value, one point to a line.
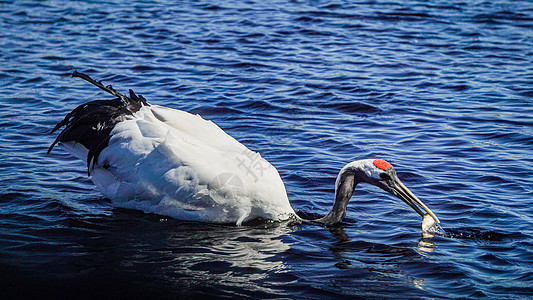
x: 90, y: 124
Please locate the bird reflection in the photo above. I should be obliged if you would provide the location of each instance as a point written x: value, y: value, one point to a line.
x: 424, y: 245
x: 345, y: 244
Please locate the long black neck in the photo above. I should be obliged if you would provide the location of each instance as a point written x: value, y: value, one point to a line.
x: 347, y: 180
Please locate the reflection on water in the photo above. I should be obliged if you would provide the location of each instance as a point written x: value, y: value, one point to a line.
x: 425, y: 246
x: 145, y: 249
x: 192, y: 255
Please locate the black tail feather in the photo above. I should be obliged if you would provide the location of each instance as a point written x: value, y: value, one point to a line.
x: 139, y: 100
x: 94, y: 153
x: 99, y: 84
x: 90, y: 124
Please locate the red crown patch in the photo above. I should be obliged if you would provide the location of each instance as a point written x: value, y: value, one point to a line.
x: 381, y: 164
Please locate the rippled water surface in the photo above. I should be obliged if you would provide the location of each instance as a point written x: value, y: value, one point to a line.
x: 441, y: 89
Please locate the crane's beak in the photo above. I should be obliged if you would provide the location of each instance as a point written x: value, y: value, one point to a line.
x: 398, y: 189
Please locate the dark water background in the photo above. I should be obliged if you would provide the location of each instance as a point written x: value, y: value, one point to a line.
x: 441, y: 89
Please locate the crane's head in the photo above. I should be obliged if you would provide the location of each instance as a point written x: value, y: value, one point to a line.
x: 380, y: 173
x: 376, y: 172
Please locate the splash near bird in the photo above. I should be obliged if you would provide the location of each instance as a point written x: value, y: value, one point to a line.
x: 170, y: 162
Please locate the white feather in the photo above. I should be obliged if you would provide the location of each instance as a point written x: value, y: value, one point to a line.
x: 170, y: 162
x: 76, y: 149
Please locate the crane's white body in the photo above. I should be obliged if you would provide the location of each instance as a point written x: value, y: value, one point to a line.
x: 170, y: 162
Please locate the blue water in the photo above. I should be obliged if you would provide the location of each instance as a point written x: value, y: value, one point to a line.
x: 441, y: 89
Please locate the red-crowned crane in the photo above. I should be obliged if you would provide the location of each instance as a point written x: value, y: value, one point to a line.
x: 170, y: 162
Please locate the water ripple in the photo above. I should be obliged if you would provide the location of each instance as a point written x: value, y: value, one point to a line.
x: 442, y: 90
